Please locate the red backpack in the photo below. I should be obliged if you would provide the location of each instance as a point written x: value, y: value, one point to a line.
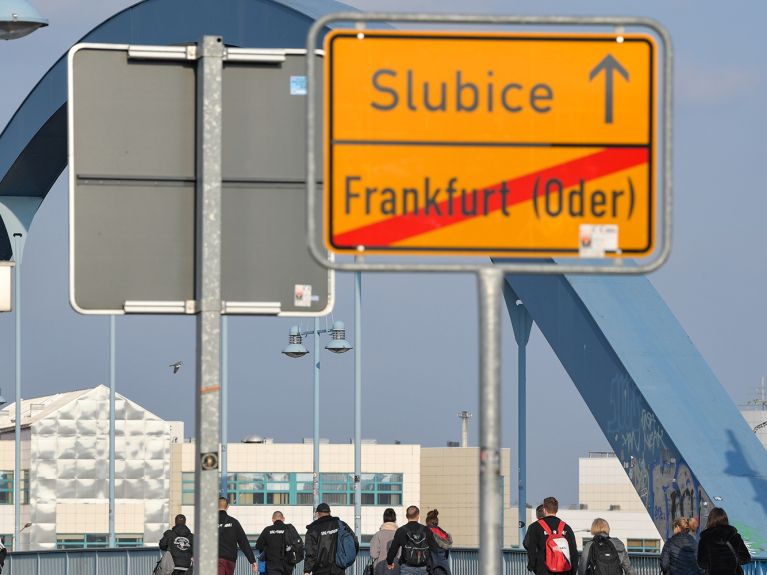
x: 557, y: 548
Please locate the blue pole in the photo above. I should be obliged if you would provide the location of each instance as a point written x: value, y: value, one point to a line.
x: 316, y: 435
x: 224, y: 405
x: 112, y: 386
x: 357, y: 405
x: 522, y: 324
x: 18, y: 240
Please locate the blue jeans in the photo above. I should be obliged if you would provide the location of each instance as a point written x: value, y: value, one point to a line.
x: 410, y: 570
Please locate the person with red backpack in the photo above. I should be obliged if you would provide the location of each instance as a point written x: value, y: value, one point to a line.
x: 550, y: 544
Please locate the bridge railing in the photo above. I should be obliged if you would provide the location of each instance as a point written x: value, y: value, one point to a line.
x: 141, y: 561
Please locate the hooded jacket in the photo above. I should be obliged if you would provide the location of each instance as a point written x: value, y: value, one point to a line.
x: 381, y: 541
x: 230, y: 536
x: 714, y: 555
x: 272, y: 542
x: 320, y: 546
x: 180, y: 542
x: 679, y: 555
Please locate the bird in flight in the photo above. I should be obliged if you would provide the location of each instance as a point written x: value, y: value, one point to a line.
x: 176, y: 366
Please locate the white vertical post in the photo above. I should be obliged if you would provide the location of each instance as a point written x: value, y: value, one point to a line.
x: 490, y: 285
x: 357, y: 405
x: 112, y: 391
x: 18, y: 246
x: 208, y: 294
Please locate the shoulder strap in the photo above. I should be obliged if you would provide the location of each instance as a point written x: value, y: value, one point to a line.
x: 561, y: 527
x: 545, y: 527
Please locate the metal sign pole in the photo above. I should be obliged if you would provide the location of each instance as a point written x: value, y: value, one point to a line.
x: 208, y: 294
x: 490, y: 283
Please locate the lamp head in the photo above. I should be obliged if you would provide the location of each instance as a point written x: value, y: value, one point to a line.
x: 338, y: 343
x: 18, y: 18
x: 295, y: 347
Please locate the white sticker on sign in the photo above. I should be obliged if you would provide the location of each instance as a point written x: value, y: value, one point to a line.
x: 596, y: 240
x: 302, y: 296
x: 298, y: 85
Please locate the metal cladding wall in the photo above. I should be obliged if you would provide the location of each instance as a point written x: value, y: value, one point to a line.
x: 665, y: 414
x: 33, y: 146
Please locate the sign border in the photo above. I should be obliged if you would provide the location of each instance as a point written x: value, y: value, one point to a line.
x: 503, y: 252
x: 611, y: 266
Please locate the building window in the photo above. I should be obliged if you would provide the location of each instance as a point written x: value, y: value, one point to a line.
x: 6, y: 487
x: 82, y: 541
x: 129, y: 540
x: 297, y: 489
x: 187, y: 488
x: 643, y: 545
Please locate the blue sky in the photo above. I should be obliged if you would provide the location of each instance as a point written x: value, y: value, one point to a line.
x: 420, y: 332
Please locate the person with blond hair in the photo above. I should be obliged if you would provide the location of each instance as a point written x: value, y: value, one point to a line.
x: 679, y: 553
x: 604, y: 555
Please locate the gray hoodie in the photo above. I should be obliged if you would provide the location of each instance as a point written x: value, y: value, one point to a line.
x: 381, y: 541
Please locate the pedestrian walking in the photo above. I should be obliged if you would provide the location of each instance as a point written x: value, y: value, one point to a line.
x: 678, y: 556
x: 551, y: 531
x: 381, y: 541
x: 440, y: 560
x: 416, y: 542
x: 604, y: 555
x: 721, y: 550
x: 276, y: 543
x: 231, y: 536
x: 179, y: 541
x: 322, y: 543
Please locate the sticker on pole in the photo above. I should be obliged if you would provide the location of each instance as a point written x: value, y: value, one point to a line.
x: 491, y: 144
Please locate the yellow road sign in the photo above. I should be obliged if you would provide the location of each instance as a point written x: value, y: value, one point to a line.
x: 497, y: 144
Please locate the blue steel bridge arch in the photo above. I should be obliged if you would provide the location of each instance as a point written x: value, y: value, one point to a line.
x: 665, y: 414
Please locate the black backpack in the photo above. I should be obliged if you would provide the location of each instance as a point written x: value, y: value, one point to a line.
x: 603, y: 558
x: 294, y: 546
x: 415, y: 552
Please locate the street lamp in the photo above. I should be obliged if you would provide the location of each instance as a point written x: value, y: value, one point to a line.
x: 18, y: 18
x: 296, y: 348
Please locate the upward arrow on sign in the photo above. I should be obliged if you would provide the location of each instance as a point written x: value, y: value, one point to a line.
x: 609, y: 65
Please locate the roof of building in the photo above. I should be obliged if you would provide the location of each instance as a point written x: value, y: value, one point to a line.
x: 36, y: 408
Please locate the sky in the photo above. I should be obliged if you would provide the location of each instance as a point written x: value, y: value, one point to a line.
x: 420, y: 332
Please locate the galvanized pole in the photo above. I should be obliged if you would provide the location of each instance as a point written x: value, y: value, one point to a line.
x: 490, y: 284
x: 316, y: 433
x: 357, y: 405
x: 522, y: 324
x: 112, y: 385
x: 210, y: 51
x: 224, y: 489
x: 19, y: 242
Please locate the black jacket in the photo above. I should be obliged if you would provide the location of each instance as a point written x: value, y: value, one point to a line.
x: 679, y: 555
x: 272, y: 541
x: 320, y: 546
x: 535, y: 543
x: 400, y: 539
x: 714, y: 555
x: 230, y: 536
x: 180, y: 542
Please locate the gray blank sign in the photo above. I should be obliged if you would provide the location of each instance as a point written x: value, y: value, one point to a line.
x: 132, y: 192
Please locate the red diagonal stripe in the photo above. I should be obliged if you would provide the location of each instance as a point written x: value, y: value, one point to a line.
x: 398, y: 228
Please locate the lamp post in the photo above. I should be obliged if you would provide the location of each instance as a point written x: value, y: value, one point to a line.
x: 295, y: 348
x: 17, y: 19
x: 112, y: 392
